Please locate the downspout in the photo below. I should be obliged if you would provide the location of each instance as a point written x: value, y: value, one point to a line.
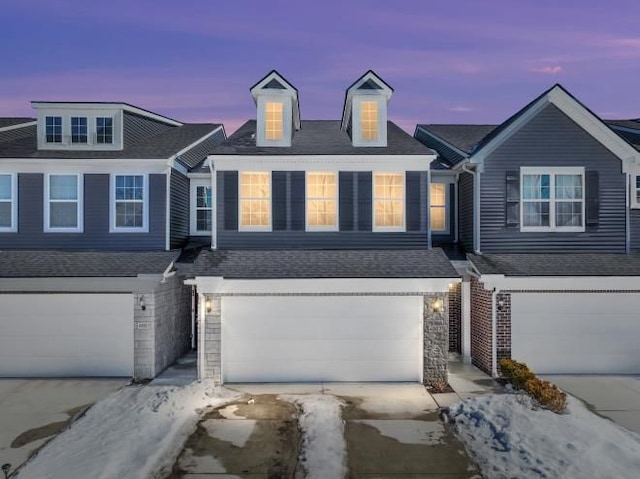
x: 454, y: 201
x: 167, y: 219
x: 494, y: 329
x: 193, y: 316
x: 429, y: 209
x: 476, y: 207
x: 627, y: 219
x: 214, y: 205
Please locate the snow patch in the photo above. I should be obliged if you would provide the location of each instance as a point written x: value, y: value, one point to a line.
x: 136, y: 432
x: 508, y: 437
x: 324, y: 450
x: 235, y: 431
x: 408, y: 431
x: 229, y: 412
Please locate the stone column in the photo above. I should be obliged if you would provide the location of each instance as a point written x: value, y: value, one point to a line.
x: 436, y: 338
x: 210, y: 328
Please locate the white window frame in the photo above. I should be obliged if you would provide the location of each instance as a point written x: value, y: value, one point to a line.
x: 62, y: 129
x: 387, y: 229
x: 13, y: 228
x: 195, y: 183
x: 336, y: 198
x: 87, y: 127
x: 79, y: 228
x: 447, y: 226
x: 112, y: 205
x: 356, y: 123
x: 552, y: 172
x: 93, y: 133
x: 268, y: 227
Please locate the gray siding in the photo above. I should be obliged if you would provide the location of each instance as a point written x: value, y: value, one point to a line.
x: 552, y: 139
x: 96, y: 234
x: 137, y: 128
x: 291, y: 238
x: 179, y: 212
x: 634, y: 229
x: 465, y: 211
x: 447, y: 238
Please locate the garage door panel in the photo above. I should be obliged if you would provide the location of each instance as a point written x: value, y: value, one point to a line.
x: 47, y: 335
x: 576, y: 333
x: 320, y: 338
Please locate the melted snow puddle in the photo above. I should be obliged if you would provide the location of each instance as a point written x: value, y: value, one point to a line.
x: 408, y: 431
x: 229, y: 412
x: 235, y: 431
x: 207, y: 464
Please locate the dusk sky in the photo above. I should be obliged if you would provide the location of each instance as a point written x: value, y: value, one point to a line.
x: 459, y: 61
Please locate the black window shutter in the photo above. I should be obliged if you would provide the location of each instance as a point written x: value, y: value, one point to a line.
x: 365, y: 206
x: 412, y: 196
x: 345, y: 198
x: 297, y: 200
x: 592, y: 208
x: 230, y: 185
x: 512, y: 199
x: 279, y: 200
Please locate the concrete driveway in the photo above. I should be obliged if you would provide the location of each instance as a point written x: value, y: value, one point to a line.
x: 614, y: 397
x: 389, y: 430
x: 32, y: 411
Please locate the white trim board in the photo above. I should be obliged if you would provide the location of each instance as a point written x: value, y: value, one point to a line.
x: 322, y: 162
x: 560, y: 283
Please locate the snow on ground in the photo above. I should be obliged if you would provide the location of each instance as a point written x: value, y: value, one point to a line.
x: 508, y: 438
x: 136, y: 432
x: 324, y: 450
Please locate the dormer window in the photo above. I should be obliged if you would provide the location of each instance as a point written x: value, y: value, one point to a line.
x: 369, y: 121
x: 104, y: 130
x: 278, y: 114
x: 53, y: 126
x: 365, y: 111
x: 78, y: 129
x: 273, y: 121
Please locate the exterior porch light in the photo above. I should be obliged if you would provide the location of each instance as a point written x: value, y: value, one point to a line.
x: 207, y: 305
x: 143, y: 305
x: 437, y: 305
x: 6, y: 468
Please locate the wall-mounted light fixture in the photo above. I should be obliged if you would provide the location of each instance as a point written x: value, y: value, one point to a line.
x: 142, y: 303
x: 500, y: 305
x: 437, y: 305
x: 207, y: 305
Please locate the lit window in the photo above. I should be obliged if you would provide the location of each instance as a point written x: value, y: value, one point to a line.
x: 78, y: 129
x: 7, y: 203
x: 53, y: 129
x: 273, y: 121
x: 203, y: 208
x: 104, y: 130
x: 129, y: 209
x: 255, y: 200
x: 388, y: 201
x: 322, y: 193
x: 553, y: 200
x: 369, y: 120
x: 63, y: 210
x: 438, y: 206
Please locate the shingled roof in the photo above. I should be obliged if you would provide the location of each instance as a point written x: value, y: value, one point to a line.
x: 272, y: 264
x: 320, y: 137
x: 6, y: 122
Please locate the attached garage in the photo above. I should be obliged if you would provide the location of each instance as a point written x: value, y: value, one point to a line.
x: 56, y: 335
x: 570, y: 332
x: 322, y: 338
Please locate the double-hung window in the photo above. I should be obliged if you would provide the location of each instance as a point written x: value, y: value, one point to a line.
x: 552, y: 199
x: 274, y: 120
x: 201, y: 207
x: 104, y: 130
x: 8, y: 203
x: 79, y: 129
x: 255, y: 200
x: 388, y: 202
x: 53, y: 129
x: 369, y: 120
x: 63, y: 203
x: 322, y: 201
x: 438, y: 207
x: 130, y: 203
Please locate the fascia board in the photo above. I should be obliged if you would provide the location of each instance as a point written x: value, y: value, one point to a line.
x: 338, y: 162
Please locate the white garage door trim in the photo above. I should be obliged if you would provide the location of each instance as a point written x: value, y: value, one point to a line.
x: 56, y: 335
x: 586, y: 333
x: 322, y: 338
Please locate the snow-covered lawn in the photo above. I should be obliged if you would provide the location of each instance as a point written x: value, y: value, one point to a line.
x: 324, y: 450
x: 136, y: 432
x: 508, y: 438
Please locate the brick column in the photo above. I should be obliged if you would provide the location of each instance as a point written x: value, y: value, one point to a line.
x: 210, y: 329
x: 436, y: 339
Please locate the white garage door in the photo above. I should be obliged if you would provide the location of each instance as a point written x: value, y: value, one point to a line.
x: 577, y: 333
x: 48, y: 335
x: 321, y: 338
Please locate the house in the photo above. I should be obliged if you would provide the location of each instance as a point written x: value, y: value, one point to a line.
x: 94, y: 211
x: 546, y: 207
x: 320, y: 266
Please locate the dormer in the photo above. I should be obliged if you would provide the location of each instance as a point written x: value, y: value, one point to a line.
x: 88, y: 126
x: 278, y: 115
x: 365, y: 110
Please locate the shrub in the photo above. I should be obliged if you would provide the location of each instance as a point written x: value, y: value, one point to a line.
x: 521, y: 377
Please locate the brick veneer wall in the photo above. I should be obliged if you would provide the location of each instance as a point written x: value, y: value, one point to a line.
x: 162, y: 331
x: 480, y: 326
x: 210, y: 362
x: 455, y: 317
x: 503, y: 325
